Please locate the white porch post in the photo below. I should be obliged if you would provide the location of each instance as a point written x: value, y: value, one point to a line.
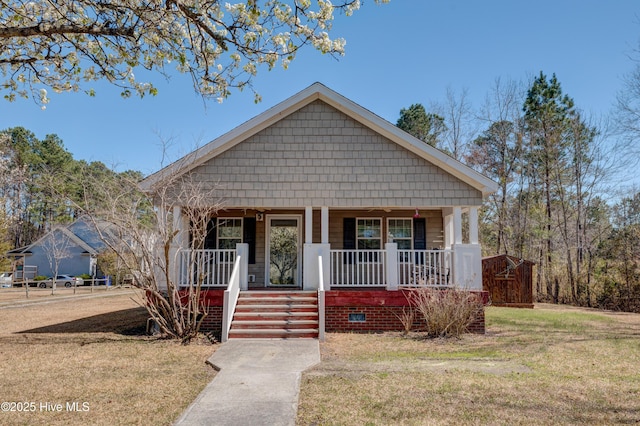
x: 467, y: 258
x: 308, y: 225
x: 457, y: 225
x: 324, y: 223
x: 243, y: 251
x: 311, y: 271
x: 391, y: 250
x: 311, y: 251
x: 448, y: 227
x: 473, y: 225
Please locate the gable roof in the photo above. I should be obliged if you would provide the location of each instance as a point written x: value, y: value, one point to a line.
x: 318, y: 91
x: 80, y: 232
x: 51, y: 234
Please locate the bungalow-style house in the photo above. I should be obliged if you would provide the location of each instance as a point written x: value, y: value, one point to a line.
x: 74, y: 248
x: 329, y: 211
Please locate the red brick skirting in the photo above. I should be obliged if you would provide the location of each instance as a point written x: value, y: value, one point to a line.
x: 213, y: 301
x: 343, y: 311
x: 374, y: 311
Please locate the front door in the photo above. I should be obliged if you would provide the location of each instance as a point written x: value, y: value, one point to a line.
x: 283, y: 256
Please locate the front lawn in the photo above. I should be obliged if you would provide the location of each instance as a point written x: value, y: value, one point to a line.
x: 549, y: 365
x: 87, y: 361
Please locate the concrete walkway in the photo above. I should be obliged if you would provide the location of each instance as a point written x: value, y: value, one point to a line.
x: 258, y: 383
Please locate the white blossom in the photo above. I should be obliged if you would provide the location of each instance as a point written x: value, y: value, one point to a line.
x: 220, y: 44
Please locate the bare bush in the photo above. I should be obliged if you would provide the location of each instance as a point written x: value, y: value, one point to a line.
x: 407, y: 318
x: 145, y: 231
x: 446, y: 313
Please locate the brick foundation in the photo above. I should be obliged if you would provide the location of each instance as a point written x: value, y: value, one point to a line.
x: 214, y: 300
x: 382, y: 311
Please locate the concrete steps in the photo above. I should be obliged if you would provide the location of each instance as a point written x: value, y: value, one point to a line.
x: 275, y: 315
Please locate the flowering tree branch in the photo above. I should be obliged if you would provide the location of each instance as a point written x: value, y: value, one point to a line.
x: 65, y: 45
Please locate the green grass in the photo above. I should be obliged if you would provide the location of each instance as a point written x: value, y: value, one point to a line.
x: 549, y: 321
x: 541, y: 366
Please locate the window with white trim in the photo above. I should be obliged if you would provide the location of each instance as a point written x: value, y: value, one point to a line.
x: 229, y: 232
x: 369, y: 234
x: 400, y: 231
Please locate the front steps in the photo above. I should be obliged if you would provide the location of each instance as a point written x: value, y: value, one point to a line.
x: 275, y: 315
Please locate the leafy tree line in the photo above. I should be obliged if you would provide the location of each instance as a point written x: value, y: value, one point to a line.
x: 42, y: 185
x: 553, y: 203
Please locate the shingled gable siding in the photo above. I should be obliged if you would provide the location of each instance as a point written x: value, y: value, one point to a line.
x: 318, y: 156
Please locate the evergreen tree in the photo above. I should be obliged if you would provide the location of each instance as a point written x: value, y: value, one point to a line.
x: 426, y: 127
x: 547, y: 115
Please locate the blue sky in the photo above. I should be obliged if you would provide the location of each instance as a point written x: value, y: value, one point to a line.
x: 404, y: 52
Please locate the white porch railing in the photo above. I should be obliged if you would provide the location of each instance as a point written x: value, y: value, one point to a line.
x: 358, y: 268
x: 425, y: 268
x: 230, y: 300
x: 368, y: 268
x: 213, y: 267
x: 348, y: 268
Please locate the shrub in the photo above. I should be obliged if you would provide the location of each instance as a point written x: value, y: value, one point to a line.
x: 446, y: 313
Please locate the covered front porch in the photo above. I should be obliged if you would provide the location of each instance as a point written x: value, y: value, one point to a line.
x: 345, y: 249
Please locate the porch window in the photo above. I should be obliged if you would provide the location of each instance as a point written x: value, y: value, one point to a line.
x: 229, y: 232
x: 400, y: 231
x: 369, y: 234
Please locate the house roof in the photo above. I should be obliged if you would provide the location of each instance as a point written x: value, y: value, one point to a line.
x: 89, y: 247
x: 72, y: 237
x: 318, y: 91
x: 19, y: 251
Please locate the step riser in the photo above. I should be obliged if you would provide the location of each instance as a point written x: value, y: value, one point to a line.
x: 276, y: 303
x: 274, y: 336
x: 276, y: 310
x: 272, y: 293
x: 278, y: 317
x: 259, y: 326
x: 275, y: 315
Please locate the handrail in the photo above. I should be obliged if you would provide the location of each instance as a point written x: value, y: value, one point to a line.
x: 321, y: 295
x: 231, y: 295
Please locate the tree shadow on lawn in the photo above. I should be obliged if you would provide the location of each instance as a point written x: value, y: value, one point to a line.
x: 127, y: 322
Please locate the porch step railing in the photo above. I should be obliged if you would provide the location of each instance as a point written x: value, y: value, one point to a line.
x: 212, y: 267
x: 230, y: 300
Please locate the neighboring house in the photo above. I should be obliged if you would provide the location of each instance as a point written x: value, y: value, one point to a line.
x: 74, y: 248
x: 320, y: 194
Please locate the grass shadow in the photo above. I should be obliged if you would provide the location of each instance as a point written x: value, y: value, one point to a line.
x: 128, y: 322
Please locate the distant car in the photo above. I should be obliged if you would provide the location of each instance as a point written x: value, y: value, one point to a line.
x: 6, y: 280
x: 61, y: 280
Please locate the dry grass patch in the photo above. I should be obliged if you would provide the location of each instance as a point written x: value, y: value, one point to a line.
x: 542, y: 366
x: 9, y: 296
x: 91, y: 350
